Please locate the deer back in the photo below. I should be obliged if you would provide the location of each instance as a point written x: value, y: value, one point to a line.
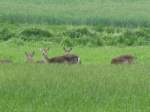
x: 72, y: 59
x: 5, y: 61
x: 124, y: 59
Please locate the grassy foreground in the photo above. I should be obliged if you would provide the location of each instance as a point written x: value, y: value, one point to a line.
x: 78, y: 88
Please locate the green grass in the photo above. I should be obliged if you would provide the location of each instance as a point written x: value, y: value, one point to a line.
x: 89, y: 55
x: 78, y: 88
x: 93, y: 86
x: 110, y: 12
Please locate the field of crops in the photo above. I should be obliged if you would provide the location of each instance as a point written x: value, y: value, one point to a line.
x: 109, y: 12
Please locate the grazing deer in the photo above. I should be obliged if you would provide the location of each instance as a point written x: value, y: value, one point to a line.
x: 70, y: 59
x: 124, y: 59
x: 29, y: 58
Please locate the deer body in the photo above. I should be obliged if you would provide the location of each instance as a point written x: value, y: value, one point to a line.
x: 5, y: 61
x: 74, y: 58
x: 124, y: 59
x: 70, y: 59
x: 67, y: 58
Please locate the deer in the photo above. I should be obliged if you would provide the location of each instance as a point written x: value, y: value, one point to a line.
x: 67, y: 53
x: 123, y: 59
x: 29, y: 58
x: 67, y: 58
x: 6, y: 61
x: 67, y: 50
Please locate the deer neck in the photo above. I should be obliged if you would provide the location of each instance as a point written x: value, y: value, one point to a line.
x: 46, y: 58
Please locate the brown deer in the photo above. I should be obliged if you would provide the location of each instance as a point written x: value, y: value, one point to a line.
x: 67, y: 53
x: 29, y: 58
x: 67, y: 50
x: 123, y: 59
x: 68, y: 58
x: 5, y: 61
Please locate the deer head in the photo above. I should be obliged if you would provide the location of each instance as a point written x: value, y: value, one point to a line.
x: 29, y: 56
x: 67, y: 50
x: 45, y: 54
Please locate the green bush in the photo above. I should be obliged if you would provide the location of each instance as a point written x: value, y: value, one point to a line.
x: 35, y: 34
x: 77, y: 33
x: 5, y: 34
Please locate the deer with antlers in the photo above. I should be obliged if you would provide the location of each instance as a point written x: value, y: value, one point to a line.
x: 123, y: 59
x: 67, y: 58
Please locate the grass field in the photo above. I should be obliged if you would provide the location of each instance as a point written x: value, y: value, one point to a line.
x: 110, y: 12
x: 89, y: 55
x: 95, y: 85
x: 98, y: 30
x: 82, y: 88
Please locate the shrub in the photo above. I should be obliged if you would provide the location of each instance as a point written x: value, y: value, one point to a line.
x: 35, y: 34
x: 77, y: 33
x: 5, y: 34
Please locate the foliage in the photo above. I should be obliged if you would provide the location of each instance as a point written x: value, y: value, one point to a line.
x: 5, y: 34
x: 66, y: 35
x: 35, y: 34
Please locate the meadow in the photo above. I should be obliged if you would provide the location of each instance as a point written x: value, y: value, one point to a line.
x: 95, y: 85
x: 88, y: 55
x: 97, y: 30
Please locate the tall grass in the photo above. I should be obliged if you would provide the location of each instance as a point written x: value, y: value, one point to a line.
x: 114, y: 12
x: 59, y: 88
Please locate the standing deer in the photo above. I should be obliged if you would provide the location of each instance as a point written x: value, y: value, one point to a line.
x: 67, y: 58
x: 29, y: 58
x: 124, y: 59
